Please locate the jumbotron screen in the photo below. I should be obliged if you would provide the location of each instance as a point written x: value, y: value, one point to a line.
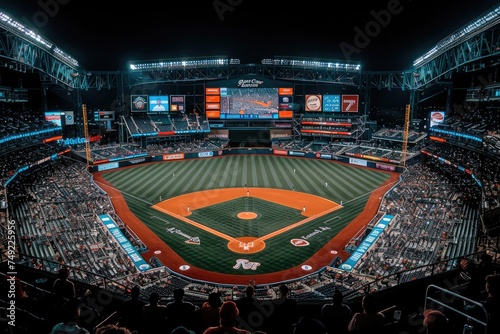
x: 247, y: 103
x: 258, y: 103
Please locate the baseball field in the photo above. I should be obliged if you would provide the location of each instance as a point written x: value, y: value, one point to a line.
x: 230, y: 219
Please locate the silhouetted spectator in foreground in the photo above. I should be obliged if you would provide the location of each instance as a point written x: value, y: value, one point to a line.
x: 130, y: 311
x: 154, y: 315
x: 285, y: 313
x: 491, y: 304
x: 369, y: 320
x: 308, y: 325
x: 63, y: 288
x: 181, y: 312
x: 228, y: 316
x: 435, y: 322
x: 469, y: 277
x: 336, y: 316
x: 112, y: 329
x: 70, y: 312
x: 485, y: 267
x: 210, y: 310
x: 182, y: 330
x: 250, y: 315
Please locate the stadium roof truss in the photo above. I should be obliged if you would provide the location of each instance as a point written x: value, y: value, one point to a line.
x: 474, y: 47
x: 476, y: 53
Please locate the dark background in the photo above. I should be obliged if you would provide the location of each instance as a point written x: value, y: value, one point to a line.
x: 105, y: 36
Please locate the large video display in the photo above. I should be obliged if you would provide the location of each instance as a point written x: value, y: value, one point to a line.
x: 158, y: 104
x: 248, y: 98
x: 249, y: 103
x: 54, y: 117
x: 260, y: 103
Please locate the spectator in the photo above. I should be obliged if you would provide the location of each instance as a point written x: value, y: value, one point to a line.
x: 491, y: 304
x: 250, y: 314
x: 181, y: 330
x: 210, y: 310
x: 435, y: 322
x: 336, y: 316
x: 485, y: 267
x: 63, y: 288
x: 285, y: 314
x: 469, y: 276
x: 70, y: 312
x: 309, y: 325
x: 228, y: 316
x: 130, y: 312
x: 369, y: 320
x: 181, y: 312
x: 154, y: 314
x: 22, y: 298
x: 112, y: 329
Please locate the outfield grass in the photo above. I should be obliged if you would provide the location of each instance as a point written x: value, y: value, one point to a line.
x: 145, y: 184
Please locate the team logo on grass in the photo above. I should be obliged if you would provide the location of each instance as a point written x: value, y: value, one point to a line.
x: 246, y: 265
x: 299, y: 242
x: 190, y: 240
x: 193, y: 241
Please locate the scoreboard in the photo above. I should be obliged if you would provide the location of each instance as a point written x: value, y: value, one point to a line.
x: 104, y: 115
x: 249, y: 102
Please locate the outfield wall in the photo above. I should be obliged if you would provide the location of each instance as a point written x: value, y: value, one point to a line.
x: 143, y: 158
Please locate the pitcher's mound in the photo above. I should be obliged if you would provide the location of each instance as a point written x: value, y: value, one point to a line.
x: 247, y: 215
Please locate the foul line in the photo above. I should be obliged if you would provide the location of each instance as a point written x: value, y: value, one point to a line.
x: 261, y: 239
x: 192, y: 222
x: 297, y: 224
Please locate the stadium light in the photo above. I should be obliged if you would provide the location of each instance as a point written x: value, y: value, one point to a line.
x: 13, y: 26
x: 337, y: 65
x: 475, y: 27
x: 9, y: 24
x: 175, y: 64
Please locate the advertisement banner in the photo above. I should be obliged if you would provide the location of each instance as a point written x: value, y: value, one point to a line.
x: 127, y: 246
x: 385, y: 167
x: 350, y: 103
x: 70, y: 117
x: 367, y: 242
x: 176, y: 156
x: 313, y: 103
x: 280, y: 152
x: 358, y: 162
x: 331, y: 103
x: 109, y: 166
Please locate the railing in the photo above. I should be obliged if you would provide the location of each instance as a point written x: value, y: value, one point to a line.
x: 429, y: 300
x: 358, y: 283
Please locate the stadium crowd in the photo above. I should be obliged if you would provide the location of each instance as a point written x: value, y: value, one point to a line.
x: 55, y: 204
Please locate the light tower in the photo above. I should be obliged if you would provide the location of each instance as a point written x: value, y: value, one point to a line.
x: 405, y: 134
x: 86, y: 135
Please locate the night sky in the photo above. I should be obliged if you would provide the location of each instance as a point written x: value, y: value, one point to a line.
x: 382, y: 35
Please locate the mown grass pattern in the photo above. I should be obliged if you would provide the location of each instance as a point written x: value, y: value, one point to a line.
x: 223, y: 217
x: 145, y: 184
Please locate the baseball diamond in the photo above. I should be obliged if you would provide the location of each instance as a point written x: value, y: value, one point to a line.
x: 228, y: 219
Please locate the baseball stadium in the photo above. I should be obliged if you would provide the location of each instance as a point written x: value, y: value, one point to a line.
x: 215, y: 178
